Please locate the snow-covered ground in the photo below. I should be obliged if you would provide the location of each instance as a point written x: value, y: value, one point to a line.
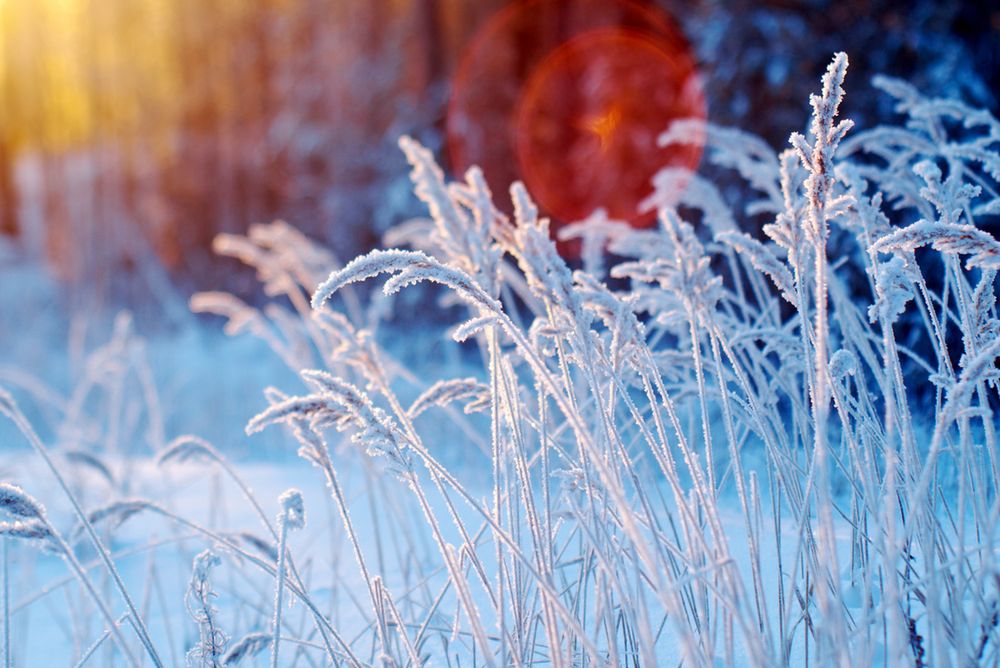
x: 154, y: 555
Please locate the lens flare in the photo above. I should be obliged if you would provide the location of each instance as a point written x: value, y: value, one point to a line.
x: 588, y: 119
x: 569, y: 96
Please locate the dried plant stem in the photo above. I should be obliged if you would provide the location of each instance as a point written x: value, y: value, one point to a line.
x: 279, y: 588
x: 5, y: 557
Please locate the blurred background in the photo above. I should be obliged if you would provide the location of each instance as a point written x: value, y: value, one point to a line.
x: 133, y: 131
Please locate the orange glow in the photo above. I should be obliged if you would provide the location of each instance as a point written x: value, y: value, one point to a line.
x: 627, y: 89
x: 603, y: 126
x: 570, y: 96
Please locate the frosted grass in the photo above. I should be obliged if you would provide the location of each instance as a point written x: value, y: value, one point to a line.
x: 754, y: 450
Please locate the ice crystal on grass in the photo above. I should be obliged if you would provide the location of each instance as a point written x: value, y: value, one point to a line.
x: 949, y: 238
x: 764, y: 260
x: 117, y: 513
x: 984, y: 325
x: 475, y: 394
x: 14, y: 501
x: 212, y: 640
x: 293, y: 508
x: 893, y: 288
x: 246, y: 648
x: 32, y: 530
x: 843, y: 363
x: 408, y: 268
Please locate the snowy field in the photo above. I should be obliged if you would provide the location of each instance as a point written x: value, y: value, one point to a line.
x: 704, y: 448
x: 154, y: 559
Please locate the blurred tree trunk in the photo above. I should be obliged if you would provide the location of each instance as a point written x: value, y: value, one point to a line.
x: 9, y: 223
x: 91, y: 235
x: 266, y: 161
x: 434, y: 39
x: 192, y: 174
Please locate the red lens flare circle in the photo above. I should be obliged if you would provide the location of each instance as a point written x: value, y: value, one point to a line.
x: 569, y: 96
x: 588, y: 121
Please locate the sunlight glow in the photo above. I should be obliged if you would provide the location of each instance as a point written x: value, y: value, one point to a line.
x: 604, y: 126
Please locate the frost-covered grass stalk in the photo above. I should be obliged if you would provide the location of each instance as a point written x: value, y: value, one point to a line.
x: 721, y: 448
x: 211, y: 639
x: 5, y: 556
x: 292, y: 516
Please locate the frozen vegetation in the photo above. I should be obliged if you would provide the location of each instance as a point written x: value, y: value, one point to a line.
x: 706, y: 447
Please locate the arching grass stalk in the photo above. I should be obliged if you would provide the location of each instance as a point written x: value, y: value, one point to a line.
x: 9, y: 408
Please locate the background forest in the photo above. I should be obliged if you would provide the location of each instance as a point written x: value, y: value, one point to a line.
x: 133, y: 130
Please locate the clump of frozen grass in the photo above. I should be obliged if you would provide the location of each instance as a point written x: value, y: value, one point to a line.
x: 725, y: 460
x: 577, y: 392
